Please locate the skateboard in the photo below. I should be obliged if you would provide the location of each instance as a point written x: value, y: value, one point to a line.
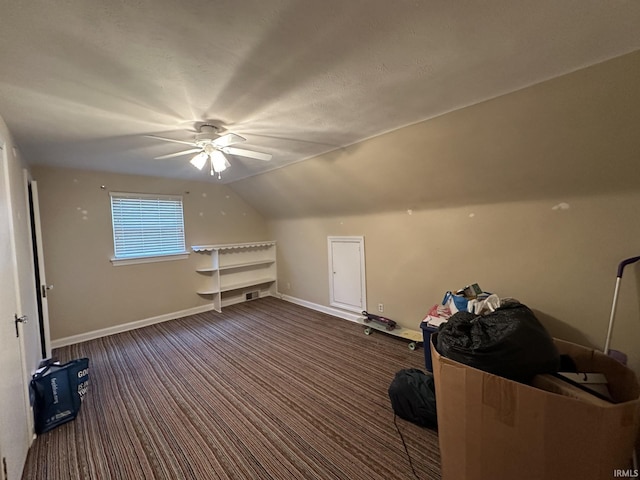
x: 368, y: 317
x: 375, y: 322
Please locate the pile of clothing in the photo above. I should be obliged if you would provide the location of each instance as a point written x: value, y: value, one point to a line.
x: 468, y: 299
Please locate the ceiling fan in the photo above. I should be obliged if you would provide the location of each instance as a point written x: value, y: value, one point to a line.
x: 209, y: 146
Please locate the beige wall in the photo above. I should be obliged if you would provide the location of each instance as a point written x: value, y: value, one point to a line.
x: 481, y: 183
x: 89, y: 292
x: 562, y: 263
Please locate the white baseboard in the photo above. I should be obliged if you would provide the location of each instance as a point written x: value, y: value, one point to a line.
x: 125, y: 327
x: 352, y: 317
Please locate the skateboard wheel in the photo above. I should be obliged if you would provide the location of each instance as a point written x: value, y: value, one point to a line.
x: 412, y: 346
x: 367, y: 331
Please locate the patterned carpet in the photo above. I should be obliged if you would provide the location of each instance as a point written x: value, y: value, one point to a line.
x: 264, y: 390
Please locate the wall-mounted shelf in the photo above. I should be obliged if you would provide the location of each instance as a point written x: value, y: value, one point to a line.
x: 231, y: 246
x: 247, y: 264
x: 233, y: 272
x: 208, y: 292
x: 247, y: 283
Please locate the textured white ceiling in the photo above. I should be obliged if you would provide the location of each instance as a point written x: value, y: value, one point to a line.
x: 82, y: 81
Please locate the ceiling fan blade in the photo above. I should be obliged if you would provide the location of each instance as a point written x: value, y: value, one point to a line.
x: 247, y: 153
x: 178, y: 154
x: 228, y: 139
x: 169, y: 139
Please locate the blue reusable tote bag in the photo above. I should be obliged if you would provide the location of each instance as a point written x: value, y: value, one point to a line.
x: 58, y: 392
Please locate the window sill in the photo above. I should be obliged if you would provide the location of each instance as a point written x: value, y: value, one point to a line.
x: 117, y: 262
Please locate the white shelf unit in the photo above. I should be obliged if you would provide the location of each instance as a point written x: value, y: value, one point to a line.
x: 236, y: 272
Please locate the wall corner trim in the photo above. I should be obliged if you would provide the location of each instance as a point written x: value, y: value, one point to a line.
x: 352, y: 317
x: 125, y: 327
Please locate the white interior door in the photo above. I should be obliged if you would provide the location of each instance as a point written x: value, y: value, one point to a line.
x: 14, y: 426
x: 44, y: 288
x: 347, y: 287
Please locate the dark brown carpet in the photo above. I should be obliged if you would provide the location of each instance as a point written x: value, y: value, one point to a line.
x: 264, y: 390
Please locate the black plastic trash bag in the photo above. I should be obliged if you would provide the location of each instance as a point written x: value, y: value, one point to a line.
x: 413, y: 397
x: 509, y: 342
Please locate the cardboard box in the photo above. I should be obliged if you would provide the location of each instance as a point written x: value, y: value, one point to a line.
x: 557, y: 385
x: 491, y: 428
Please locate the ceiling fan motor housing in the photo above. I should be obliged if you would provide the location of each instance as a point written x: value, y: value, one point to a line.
x: 207, y: 134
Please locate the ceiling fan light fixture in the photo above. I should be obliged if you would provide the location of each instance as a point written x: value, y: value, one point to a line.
x: 208, y: 144
x: 199, y: 160
x: 218, y: 161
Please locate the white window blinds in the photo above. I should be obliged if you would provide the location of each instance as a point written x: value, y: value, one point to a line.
x: 147, y: 225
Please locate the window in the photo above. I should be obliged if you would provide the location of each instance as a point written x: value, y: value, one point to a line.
x: 146, y: 227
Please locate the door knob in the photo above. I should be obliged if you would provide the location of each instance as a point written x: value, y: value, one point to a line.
x: 17, y: 319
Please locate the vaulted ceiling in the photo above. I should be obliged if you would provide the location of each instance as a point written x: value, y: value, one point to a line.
x: 83, y: 81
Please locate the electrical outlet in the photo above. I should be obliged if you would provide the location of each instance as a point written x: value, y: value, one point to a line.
x: 288, y: 285
x: 381, y: 307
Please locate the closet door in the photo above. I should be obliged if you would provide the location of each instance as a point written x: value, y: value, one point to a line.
x: 347, y: 287
x: 15, y: 434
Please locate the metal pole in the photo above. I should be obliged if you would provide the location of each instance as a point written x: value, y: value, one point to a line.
x: 621, y: 266
x: 612, y: 316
